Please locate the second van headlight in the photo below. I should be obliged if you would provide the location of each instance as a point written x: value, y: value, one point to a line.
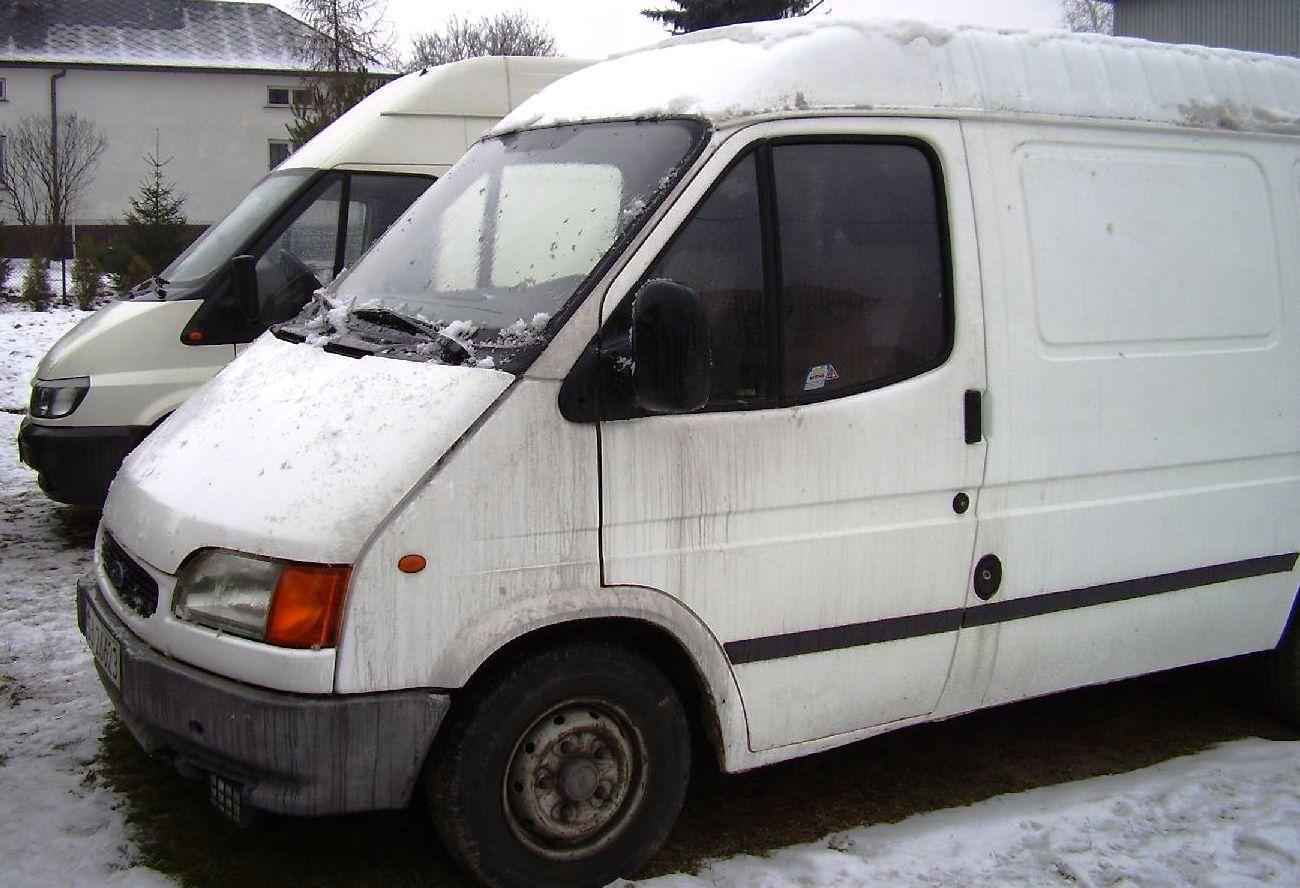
x: 289, y: 604
x: 57, y: 398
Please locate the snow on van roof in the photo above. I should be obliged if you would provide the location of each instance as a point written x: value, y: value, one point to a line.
x: 742, y: 71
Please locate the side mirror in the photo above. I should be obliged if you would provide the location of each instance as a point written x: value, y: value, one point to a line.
x: 670, y: 348
x: 243, y: 278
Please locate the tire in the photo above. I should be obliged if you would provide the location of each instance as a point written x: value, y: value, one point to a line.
x: 565, y: 768
x: 1280, y: 669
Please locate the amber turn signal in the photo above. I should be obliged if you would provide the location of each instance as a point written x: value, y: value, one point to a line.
x: 411, y: 564
x: 195, y: 336
x: 307, y: 605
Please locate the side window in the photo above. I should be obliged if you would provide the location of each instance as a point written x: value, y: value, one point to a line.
x: 719, y: 254
x: 301, y: 258
x: 863, y: 279
x: 374, y: 203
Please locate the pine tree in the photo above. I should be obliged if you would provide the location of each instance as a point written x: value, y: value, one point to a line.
x: 695, y: 15
x: 155, y: 223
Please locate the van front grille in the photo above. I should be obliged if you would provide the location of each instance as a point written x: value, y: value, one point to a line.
x: 131, y: 582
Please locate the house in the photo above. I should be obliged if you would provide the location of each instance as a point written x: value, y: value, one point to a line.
x: 209, y: 85
x: 1259, y: 25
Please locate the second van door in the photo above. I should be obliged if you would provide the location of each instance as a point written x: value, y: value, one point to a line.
x: 818, y: 513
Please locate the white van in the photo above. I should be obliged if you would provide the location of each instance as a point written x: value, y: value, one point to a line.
x: 771, y: 388
x: 114, y: 377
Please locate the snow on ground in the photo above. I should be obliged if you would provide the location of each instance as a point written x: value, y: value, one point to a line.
x: 1229, y: 816
x: 56, y: 826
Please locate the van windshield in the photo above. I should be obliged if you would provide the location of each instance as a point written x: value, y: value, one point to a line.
x: 216, y: 246
x: 499, y: 246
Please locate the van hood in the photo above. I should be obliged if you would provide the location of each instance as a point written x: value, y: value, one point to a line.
x: 292, y: 452
x: 95, y: 344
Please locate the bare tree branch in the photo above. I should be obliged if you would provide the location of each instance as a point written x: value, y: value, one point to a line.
x: 33, y: 187
x: 507, y: 33
x: 1091, y: 16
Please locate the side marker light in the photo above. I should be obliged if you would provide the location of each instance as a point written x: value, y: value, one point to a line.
x: 410, y: 564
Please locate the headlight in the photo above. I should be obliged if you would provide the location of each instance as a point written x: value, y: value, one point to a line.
x: 56, y: 398
x: 279, y: 602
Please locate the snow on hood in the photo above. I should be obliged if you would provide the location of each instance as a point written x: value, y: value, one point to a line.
x: 727, y: 74
x: 292, y: 452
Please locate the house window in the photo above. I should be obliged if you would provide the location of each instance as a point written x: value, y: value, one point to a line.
x: 284, y: 97
x: 280, y: 149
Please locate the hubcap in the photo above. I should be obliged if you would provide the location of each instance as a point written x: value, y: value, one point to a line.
x: 574, y: 779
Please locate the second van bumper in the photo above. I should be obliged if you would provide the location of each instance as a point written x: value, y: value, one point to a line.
x: 75, y: 464
x: 285, y: 753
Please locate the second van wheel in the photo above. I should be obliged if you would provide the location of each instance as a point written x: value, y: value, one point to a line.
x: 1280, y: 670
x: 566, y: 768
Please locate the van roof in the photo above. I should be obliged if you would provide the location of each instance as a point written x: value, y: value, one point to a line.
x: 379, y: 127
x: 800, y: 65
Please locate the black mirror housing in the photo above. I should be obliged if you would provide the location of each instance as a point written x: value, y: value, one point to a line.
x: 243, y: 279
x: 670, y: 348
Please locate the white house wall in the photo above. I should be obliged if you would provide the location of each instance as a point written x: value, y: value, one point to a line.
x: 216, y: 127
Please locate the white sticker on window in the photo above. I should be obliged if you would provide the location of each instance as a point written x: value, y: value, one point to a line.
x: 818, y: 376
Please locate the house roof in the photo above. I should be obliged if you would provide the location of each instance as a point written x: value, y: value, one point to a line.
x: 150, y: 33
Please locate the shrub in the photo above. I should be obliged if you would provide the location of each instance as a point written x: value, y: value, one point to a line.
x: 36, y: 291
x: 137, y: 270
x: 86, y: 285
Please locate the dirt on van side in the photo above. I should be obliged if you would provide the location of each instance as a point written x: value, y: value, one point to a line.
x: 1105, y: 730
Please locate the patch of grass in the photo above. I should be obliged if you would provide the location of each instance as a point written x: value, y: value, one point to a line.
x: 1087, y: 733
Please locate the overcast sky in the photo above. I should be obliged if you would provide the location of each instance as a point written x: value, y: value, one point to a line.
x: 596, y: 28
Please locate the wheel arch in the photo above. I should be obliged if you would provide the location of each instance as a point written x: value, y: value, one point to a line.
x: 710, y: 697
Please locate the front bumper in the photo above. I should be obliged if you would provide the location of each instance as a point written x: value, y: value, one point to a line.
x: 75, y: 464
x: 286, y: 753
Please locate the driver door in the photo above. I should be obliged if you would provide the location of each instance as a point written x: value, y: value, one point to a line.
x: 806, y: 514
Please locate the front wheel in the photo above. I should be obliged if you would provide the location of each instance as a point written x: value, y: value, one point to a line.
x: 566, y: 768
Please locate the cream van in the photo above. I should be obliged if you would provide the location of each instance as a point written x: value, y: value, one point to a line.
x: 759, y: 392
x: 118, y: 374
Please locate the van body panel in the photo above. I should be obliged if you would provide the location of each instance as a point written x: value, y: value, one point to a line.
x: 1167, y: 405
x: 94, y: 345
x: 496, y: 576
x: 324, y: 487
x: 483, y: 564
x: 835, y: 514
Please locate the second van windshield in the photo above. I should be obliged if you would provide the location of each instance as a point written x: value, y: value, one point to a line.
x: 500, y: 245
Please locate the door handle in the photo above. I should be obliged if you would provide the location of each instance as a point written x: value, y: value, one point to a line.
x: 974, y: 416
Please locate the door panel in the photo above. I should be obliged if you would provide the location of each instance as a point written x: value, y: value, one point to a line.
x: 818, y: 541
x: 1143, y: 475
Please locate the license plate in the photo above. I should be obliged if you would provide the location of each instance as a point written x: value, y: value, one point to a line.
x: 105, y: 648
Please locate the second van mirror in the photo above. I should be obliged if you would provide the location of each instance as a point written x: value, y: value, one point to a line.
x: 670, y: 348
x: 243, y: 279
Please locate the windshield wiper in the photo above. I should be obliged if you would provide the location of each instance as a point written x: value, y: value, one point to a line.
x: 447, y: 349
x: 395, y: 320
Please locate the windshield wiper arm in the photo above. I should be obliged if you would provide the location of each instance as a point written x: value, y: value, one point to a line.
x: 449, y: 351
x: 395, y: 320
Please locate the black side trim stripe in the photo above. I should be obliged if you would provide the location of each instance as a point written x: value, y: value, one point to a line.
x: 814, y: 641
